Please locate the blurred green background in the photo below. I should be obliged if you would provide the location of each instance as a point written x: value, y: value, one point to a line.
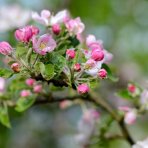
x: 123, y: 26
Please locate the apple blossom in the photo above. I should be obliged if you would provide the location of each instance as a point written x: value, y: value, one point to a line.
x: 92, y: 67
x: 25, y: 93
x: 92, y: 43
x: 47, y: 19
x: 30, y: 82
x: 70, y: 53
x: 5, y: 48
x: 77, y: 67
x: 97, y: 55
x: 37, y: 88
x: 83, y: 88
x: 131, y: 88
x: 24, y: 34
x: 61, y: 17
x: 43, y: 44
x: 102, y: 73
x: 56, y: 29
x: 43, y: 18
x: 75, y: 26
x: 16, y: 67
x: 35, y: 30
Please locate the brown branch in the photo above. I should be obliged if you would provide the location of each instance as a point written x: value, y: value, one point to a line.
x: 98, y: 102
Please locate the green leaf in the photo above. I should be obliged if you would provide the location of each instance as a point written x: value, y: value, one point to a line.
x: 4, y: 117
x: 58, y: 61
x: 24, y: 103
x: 20, y: 50
x: 47, y: 71
x: 109, y: 73
x: 124, y: 94
x: 74, y: 41
x: 5, y: 73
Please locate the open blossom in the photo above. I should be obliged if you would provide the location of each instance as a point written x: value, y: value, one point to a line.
x: 92, y: 67
x: 92, y: 43
x: 75, y: 26
x: 83, y: 88
x: 70, y: 53
x: 141, y: 144
x: 47, y: 19
x: 43, y: 18
x: 16, y: 67
x: 44, y: 44
x: 5, y: 48
x: 130, y: 117
x: 2, y: 85
x: 38, y: 88
x: 30, y: 82
x: 25, y: 93
x: 102, y: 73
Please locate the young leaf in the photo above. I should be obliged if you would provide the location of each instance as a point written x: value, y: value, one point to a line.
x: 124, y: 94
x: 4, y: 117
x: 47, y: 70
x: 58, y: 61
x: 109, y: 73
x: 5, y: 73
x: 21, y: 50
x: 24, y: 103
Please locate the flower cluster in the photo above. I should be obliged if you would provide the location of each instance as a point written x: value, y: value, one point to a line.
x: 58, y: 52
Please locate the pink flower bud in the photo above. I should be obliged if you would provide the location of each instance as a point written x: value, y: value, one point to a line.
x: 56, y: 29
x: 38, y: 88
x: 102, y: 73
x: 97, y: 55
x: 70, y: 53
x: 5, y: 48
x: 130, y: 117
x: 25, y: 93
x: 35, y: 30
x: 24, y: 34
x: 131, y: 88
x: 30, y: 82
x: 77, y: 67
x: 15, y: 67
x: 83, y: 88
